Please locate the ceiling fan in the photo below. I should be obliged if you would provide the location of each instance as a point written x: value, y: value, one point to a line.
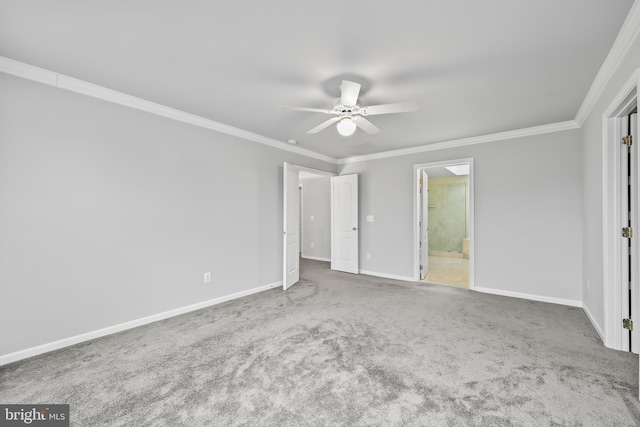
x: 350, y: 115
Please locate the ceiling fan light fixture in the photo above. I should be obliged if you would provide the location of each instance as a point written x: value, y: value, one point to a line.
x: 346, y: 126
x: 346, y: 111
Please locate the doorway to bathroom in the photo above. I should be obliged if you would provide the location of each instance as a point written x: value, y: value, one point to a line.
x: 444, y: 214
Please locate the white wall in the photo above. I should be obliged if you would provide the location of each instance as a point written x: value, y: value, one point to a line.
x: 109, y: 214
x: 593, y: 182
x: 316, y: 204
x: 528, y: 219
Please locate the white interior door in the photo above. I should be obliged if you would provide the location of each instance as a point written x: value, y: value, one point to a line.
x: 629, y: 247
x: 634, y: 179
x: 424, y: 224
x: 291, y: 238
x: 344, y: 224
x: 634, y: 215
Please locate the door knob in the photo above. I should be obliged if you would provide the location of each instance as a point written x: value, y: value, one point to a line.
x: 354, y: 228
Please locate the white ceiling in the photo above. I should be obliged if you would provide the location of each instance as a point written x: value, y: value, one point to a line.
x: 476, y: 67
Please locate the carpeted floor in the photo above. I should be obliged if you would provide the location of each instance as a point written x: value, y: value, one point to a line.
x: 344, y: 350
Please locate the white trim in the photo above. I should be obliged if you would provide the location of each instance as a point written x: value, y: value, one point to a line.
x: 66, y: 342
x: 500, y: 136
x: 30, y: 72
x: 624, y: 96
x: 593, y: 322
x: 316, y: 258
x: 300, y: 217
x: 387, y: 276
x: 627, y: 35
x: 61, y: 81
x: 552, y: 300
x: 416, y: 233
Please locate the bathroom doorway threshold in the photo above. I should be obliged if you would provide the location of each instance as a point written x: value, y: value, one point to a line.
x: 448, y: 271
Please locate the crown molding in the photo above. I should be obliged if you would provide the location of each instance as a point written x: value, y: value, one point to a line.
x: 500, y: 136
x: 29, y: 72
x: 40, y: 75
x: 627, y: 35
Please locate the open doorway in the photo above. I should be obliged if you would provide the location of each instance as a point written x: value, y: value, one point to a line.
x: 315, y: 216
x: 444, y: 213
x: 343, y: 208
x: 294, y: 219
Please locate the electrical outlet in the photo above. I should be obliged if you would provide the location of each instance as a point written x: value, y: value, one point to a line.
x: 367, y: 255
x: 207, y: 277
x: 312, y: 244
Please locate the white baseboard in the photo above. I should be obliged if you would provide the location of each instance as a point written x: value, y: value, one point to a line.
x: 387, y: 276
x: 552, y: 300
x: 316, y: 258
x: 66, y: 342
x: 593, y: 322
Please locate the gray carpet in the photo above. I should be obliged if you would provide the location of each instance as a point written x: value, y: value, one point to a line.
x: 339, y: 349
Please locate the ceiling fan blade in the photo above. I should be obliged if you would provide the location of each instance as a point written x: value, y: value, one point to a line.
x: 400, y: 107
x: 350, y: 92
x: 324, y: 125
x: 312, y: 110
x: 365, y: 125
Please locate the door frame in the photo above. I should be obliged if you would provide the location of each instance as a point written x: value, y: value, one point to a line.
x: 284, y: 198
x: 319, y: 174
x: 613, y: 288
x: 423, y: 213
x: 416, y: 212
